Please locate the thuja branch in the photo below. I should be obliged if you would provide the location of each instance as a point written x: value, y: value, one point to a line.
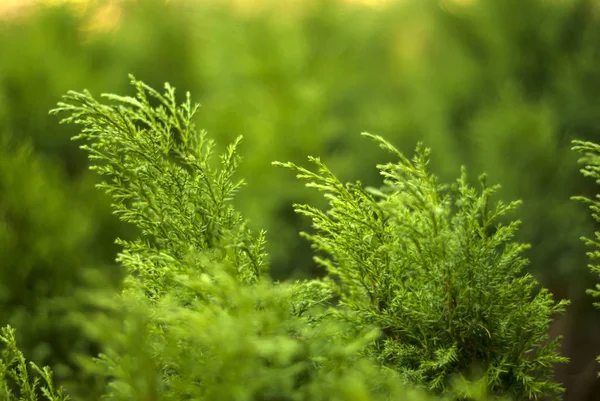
x: 590, y: 159
x: 189, y: 326
x: 161, y: 175
x: 15, y: 374
x: 436, y: 270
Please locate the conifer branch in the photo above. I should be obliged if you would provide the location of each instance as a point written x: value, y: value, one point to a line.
x: 590, y: 159
x: 159, y: 170
x: 14, y: 369
x: 432, y: 266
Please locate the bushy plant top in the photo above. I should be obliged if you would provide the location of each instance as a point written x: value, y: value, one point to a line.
x: 433, y: 267
x: 430, y: 286
x: 199, y: 318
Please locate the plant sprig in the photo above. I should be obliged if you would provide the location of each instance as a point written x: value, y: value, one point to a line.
x: 14, y: 369
x: 159, y: 170
x: 434, y: 268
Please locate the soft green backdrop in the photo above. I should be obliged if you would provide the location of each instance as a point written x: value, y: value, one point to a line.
x: 499, y: 86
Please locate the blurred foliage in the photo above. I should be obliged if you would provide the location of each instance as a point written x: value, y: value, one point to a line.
x: 49, y: 231
x: 500, y: 91
x: 499, y: 86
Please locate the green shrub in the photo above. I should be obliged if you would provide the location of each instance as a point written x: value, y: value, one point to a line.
x: 437, y: 271
x: 201, y: 321
x: 428, y: 268
x: 509, y: 96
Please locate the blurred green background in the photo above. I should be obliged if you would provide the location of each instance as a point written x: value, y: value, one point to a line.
x: 501, y: 86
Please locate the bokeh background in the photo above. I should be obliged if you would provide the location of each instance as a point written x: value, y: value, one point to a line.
x: 501, y: 86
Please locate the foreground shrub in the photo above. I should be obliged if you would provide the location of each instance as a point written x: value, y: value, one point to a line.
x: 424, y: 264
x: 434, y: 269
x: 198, y: 319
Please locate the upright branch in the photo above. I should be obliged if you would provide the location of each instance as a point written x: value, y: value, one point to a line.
x: 158, y: 169
x: 20, y: 380
x: 590, y: 160
x: 432, y: 266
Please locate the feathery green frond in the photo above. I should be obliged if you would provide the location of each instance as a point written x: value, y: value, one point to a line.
x: 160, y: 172
x: 16, y: 380
x: 590, y: 159
x: 433, y: 268
x: 188, y: 325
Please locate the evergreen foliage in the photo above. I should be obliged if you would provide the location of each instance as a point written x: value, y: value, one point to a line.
x: 590, y: 158
x: 15, y: 373
x: 198, y: 319
x: 503, y: 87
x: 511, y: 92
x: 218, y: 339
x: 433, y: 267
x: 160, y: 175
x: 48, y: 242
